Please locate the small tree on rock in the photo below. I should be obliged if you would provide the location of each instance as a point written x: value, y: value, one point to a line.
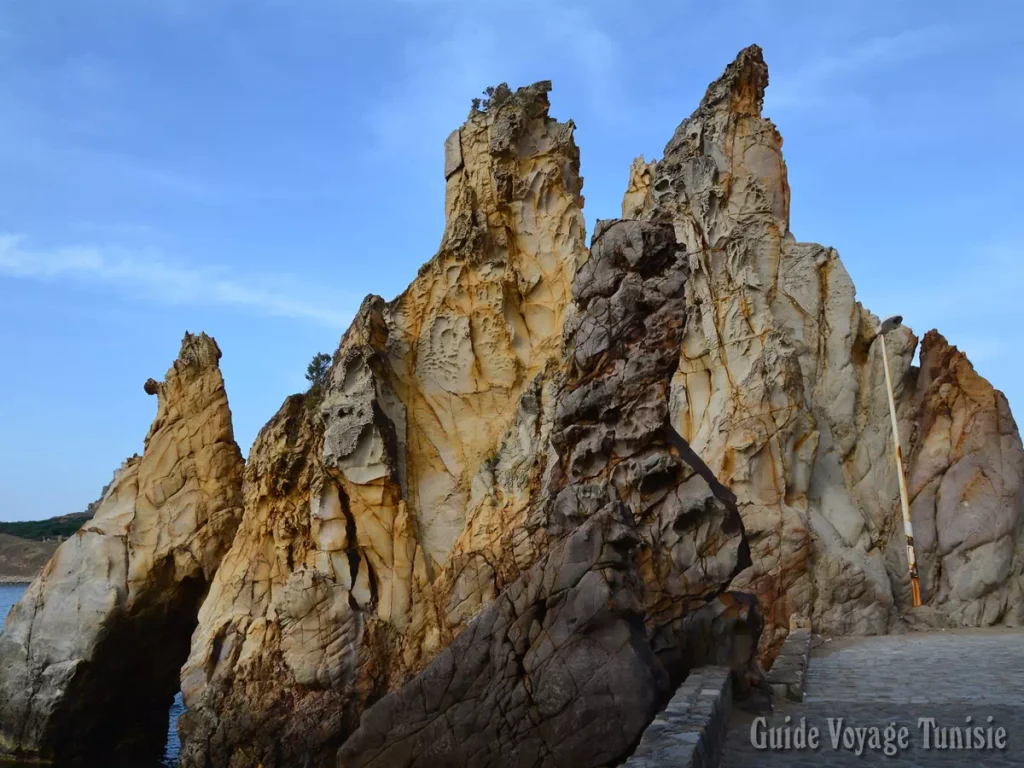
x: 316, y: 375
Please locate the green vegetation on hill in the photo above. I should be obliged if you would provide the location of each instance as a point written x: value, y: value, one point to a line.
x: 40, y: 530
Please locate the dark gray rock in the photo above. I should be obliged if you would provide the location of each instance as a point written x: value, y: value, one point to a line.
x: 691, y: 730
x: 556, y: 672
x: 573, y: 660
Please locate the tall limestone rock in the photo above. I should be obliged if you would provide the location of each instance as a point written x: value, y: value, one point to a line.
x: 780, y: 388
x: 421, y: 391
x: 276, y: 669
x: 89, y: 658
x: 498, y: 517
x: 468, y: 432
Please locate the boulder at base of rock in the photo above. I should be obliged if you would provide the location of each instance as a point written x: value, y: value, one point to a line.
x: 556, y: 671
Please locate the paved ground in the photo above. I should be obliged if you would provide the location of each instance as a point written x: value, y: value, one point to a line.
x: 897, y: 680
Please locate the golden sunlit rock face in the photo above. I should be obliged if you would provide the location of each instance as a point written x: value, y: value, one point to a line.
x: 446, y: 458
x: 97, y: 640
x: 396, y: 530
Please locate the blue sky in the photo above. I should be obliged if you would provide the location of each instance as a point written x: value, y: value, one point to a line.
x: 253, y: 169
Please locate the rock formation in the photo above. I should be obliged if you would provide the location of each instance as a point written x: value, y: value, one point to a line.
x: 466, y: 428
x: 530, y: 680
x: 268, y: 678
x: 780, y: 389
x: 643, y: 541
x: 539, y: 486
x: 524, y: 390
x: 421, y: 391
x: 89, y: 658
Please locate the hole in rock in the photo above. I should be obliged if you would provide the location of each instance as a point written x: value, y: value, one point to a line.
x: 121, y: 709
x: 173, y: 745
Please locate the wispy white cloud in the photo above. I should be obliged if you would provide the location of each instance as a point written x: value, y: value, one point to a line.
x: 50, y: 120
x: 468, y: 45
x: 827, y: 77
x: 150, y: 276
x: 981, y: 286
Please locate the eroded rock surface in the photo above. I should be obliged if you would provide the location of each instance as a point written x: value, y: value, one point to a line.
x: 376, y: 535
x: 611, y: 438
x: 89, y: 657
x: 578, y: 654
x: 284, y: 632
x: 556, y: 671
x: 780, y: 389
x: 331, y: 596
x: 964, y: 476
x: 523, y: 391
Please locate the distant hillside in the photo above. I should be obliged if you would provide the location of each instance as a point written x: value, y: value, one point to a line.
x: 22, y: 559
x: 42, y: 530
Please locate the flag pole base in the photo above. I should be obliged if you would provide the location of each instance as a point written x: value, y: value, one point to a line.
x: 915, y: 588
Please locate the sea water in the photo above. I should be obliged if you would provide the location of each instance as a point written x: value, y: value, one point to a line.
x: 11, y: 593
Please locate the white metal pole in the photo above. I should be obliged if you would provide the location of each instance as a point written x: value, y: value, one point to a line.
x: 915, y: 584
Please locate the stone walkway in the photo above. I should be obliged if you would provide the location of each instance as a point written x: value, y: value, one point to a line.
x: 897, y: 682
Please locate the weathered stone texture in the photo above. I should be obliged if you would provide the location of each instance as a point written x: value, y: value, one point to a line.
x: 398, y: 533
x: 555, y: 671
x: 610, y: 436
x: 89, y: 657
x: 272, y: 664
x: 780, y: 389
x: 576, y: 689
x: 589, y: 430
x: 539, y: 486
x: 964, y: 477
x: 521, y: 384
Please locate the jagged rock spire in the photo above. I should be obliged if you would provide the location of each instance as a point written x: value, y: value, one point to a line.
x: 780, y: 390
x: 89, y: 657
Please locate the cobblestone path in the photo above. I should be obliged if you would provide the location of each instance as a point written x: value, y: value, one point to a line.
x: 902, y: 681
